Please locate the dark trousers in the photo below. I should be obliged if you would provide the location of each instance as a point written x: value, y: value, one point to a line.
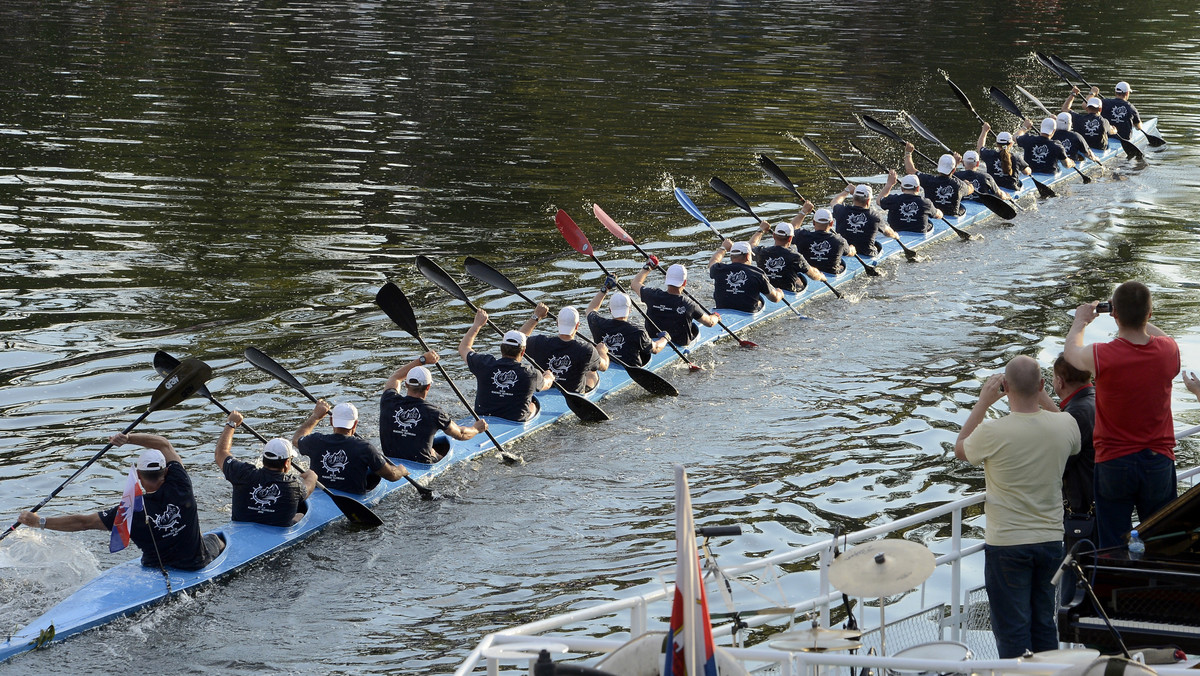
x: 1144, y: 481
x: 1021, y: 597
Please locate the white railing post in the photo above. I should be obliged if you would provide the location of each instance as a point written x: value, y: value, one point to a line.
x: 638, y: 619
x: 823, y: 565
x: 956, y: 574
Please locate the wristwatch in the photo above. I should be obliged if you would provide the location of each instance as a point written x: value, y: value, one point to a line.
x: 42, y: 522
x: 230, y: 425
x: 421, y: 359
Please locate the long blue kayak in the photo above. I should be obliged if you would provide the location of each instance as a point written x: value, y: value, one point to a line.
x: 128, y: 587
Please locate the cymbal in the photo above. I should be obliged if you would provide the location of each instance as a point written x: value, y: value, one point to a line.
x: 823, y: 645
x: 814, y: 635
x: 881, y: 568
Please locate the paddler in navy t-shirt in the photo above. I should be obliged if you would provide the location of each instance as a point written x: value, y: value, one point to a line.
x: 943, y: 188
x: 1072, y: 141
x: 822, y: 247
x: 907, y: 211
x: 738, y: 285
x: 271, y: 494
x: 167, y: 529
x: 785, y: 268
x: 576, y: 365
x: 1004, y: 166
x: 669, y: 310
x: 341, y: 459
x: 980, y: 180
x: 408, y: 423
x: 1120, y: 113
x: 1042, y: 153
x: 858, y: 222
x: 626, y: 341
x: 505, y: 387
x: 1090, y: 124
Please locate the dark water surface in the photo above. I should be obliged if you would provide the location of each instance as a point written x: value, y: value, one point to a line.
x: 203, y: 176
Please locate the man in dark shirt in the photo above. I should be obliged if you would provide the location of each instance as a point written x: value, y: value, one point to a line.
x: 821, y: 247
x: 785, y: 269
x: 626, y: 341
x: 943, y: 189
x: 1120, y: 113
x: 858, y: 223
x: 1043, y: 154
x: 167, y: 529
x: 408, y: 423
x: 342, y: 460
x: 576, y: 365
x: 1072, y: 142
x: 1005, y: 167
x: 505, y: 387
x: 669, y: 309
x: 1090, y: 124
x: 907, y: 211
x: 738, y: 285
x: 271, y: 494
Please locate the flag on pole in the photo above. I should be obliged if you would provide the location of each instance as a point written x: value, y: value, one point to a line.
x: 131, y: 501
x: 689, y: 641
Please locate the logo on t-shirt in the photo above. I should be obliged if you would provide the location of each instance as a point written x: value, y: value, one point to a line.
x: 169, y: 522
x: 503, y: 379
x: 774, y: 266
x: 998, y: 168
x: 559, y: 365
x: 667, y: 308
x: 1066, y: 144
x: 1118, y: 113
x: 856, y: 223
x: 264, y: 498
x: 734, y: 281
x: 944, y: 194
x: 820, y: 250
x: 406, y: 419
x: 333, y: 462
x: 615, y: 341
x: 1040, y: 152
x: 1092, y: 127
x: 908, y: 211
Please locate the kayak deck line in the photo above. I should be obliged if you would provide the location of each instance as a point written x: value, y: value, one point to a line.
x: 129, y: 587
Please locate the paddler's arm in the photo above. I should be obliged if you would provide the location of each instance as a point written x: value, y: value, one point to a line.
x: 1066, y: 107
x: 1074, y: 351
x: 225, y: 442
x: 726, y: 246
x: 805, y: 210
x: 989, y: 394
x: 635, y: 285
x: 909, y: 167
x: 887, y: 188
x: 539, y: 313
x: 161, y: 444
x: 764, y: 227
x: 401, y: 373
x: 981, y: 143
x: 67, y: 524
x: 319, y: 411
x: 464, y: 346
x: 455, y: 431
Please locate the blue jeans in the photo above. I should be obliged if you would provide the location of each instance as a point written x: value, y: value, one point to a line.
x: 1144, y: 480
x: 1021, y: 597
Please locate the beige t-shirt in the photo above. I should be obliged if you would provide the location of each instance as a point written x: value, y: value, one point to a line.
x: 1023, y: 456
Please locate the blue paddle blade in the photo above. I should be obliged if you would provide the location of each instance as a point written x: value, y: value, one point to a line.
x: 690, y: 207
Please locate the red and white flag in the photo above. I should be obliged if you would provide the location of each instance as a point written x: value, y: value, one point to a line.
x: 689, y: 641
x: 131, y: 501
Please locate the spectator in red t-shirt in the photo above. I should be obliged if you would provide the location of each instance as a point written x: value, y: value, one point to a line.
x: 1134, y: 435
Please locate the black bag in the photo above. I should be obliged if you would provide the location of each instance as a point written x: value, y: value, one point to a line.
x: 1079, y: 526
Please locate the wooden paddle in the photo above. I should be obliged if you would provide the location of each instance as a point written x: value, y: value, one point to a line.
x: 585, y: 409
x: 353, y: 509
x: 395, y: 305
x: 619, y: 232
x: 267, y: 365
x: 882, y: 129
x: 1154, y: 141
x: 647, y: 379
x: 182, y: 382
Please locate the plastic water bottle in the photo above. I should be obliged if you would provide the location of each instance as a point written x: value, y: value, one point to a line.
x: 1136, y: 547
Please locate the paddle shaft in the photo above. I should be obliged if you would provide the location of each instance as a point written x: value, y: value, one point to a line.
x: 961, y: 233
x: 461, y: 397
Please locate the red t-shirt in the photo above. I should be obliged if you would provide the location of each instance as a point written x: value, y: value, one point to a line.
x: 1133, y: 397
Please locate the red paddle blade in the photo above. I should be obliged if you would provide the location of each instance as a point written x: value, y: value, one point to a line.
x: 748, y: 343
x: 573, y: 234
x: 607, y: 221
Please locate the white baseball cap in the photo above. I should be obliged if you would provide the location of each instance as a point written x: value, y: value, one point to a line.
x: 419, y: 377
x: 739, y: 249
x: 1064, y: 121
x: 823, y: 215
x: 676, y: 275
x: 151, y: 460
x: 514, y: 338
x: 1003, y: 138
x: 345, y: 415
x: 784, y: 230
x: 970, y: 157
x: 910, y: 182
x: 619, y: 305
x: 568, y: 320
x: 1123, y: 87
x: 1095, y: 102
x: 863, y: 190
x: 278, y: 449
x: 946, y: 164
x: 1049, y: 125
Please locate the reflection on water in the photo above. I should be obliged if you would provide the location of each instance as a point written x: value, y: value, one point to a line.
x: 201, y: 177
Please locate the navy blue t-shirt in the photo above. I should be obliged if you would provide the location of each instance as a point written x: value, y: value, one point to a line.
x: 1072, y: 142
x: 980, y: 180
x: 675, y: 314
x: 171, y: 512
x: 858, y: 226
x: 946, y: 192
x: 1042, y: 154
x: 738, y: 286
x: 264, y: 496
x: 567, y: 359
x: 407, y: 426
x: 1093, y: 128
x: 908, y: 212
x: 1121, y: 115
x: 344, y: 462
x: 504, y: 387
x: 628, y: 342
x: 783, y: 267
x: 823, y: 250
x: 993, y: 163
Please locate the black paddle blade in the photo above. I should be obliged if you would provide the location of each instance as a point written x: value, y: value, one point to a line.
x: 1045, y: 61
x: 812, y: 147
x: 395, y: 305
x: 870, y: 269
x: 651, y: 382
x: 924, y: 132
x: 1006, y: 102
x: 271, y: 367
x: 1154, y: 141
x: 730, y: 194
x: 958, y: 93
x: 165, y: 363
x: 182, y: 382
x: 1066, y: 68
x: 880, y: 128
x: 441, y: 279
x: 489, y: 275
x: 998, y: 206
x: 777, y: 175
x: 358, y: 513
x: 1043, y: 189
